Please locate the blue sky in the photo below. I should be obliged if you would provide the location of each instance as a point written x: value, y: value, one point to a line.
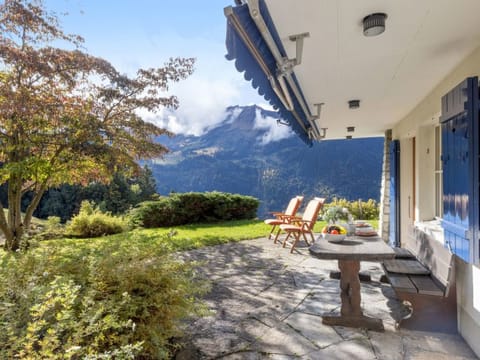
x: 145, y: 33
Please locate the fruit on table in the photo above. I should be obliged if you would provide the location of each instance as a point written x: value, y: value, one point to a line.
x: 334, y: 229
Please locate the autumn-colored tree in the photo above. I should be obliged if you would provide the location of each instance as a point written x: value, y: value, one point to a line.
x: 67, y: 116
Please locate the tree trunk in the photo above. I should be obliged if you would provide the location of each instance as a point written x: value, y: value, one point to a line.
x: 15, y: 231
x: 13, y: 240
x: 33, y: 205
x: 15, y: 228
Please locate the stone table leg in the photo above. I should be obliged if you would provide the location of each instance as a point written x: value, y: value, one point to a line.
x: 351, y: 312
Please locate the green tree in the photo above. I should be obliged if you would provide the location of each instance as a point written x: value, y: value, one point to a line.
x: 67, y: 116
x: 61, y: 201
x: 147, y: 184
x: 118, y: 196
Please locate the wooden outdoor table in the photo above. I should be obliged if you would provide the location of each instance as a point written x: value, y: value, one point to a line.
x: 349, y: 253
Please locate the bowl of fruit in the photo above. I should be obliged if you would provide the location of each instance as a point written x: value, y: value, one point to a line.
x: 334, y: 233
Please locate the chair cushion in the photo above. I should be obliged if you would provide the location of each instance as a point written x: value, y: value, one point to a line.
x: 274, y: 222
x: 290, y: 227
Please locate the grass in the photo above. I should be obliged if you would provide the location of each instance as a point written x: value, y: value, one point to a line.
x: 181, y: 238
x: 178, y: 238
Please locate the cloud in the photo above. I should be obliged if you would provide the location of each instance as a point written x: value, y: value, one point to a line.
x: 232, y: 114
x: 203, y: 101
x: 204, y: 96
x: 274, y: 131
x: 264, y: 106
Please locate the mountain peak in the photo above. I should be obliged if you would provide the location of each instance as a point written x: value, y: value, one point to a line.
x: 252, y: 118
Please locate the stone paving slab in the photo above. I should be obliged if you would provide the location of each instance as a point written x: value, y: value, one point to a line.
x: 266, y: 303
x: 311, y: 327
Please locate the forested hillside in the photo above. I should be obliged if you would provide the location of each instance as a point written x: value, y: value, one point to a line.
x: 242, y: 156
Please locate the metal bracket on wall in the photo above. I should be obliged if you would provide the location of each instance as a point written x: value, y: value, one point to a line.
x: 298, y: 38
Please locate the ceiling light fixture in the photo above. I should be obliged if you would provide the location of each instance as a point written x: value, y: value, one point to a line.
x: 374, y: 24
x: 353, y: 104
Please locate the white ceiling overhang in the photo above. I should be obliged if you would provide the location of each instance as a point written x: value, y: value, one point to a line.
x: 390, y: 73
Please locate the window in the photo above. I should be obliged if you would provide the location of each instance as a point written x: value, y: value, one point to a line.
x: 438, y: 173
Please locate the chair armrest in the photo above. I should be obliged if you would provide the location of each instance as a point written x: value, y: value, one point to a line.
x: 305, y: 224
x: 301, y: 225
x: 278, y: 215
x: 291, y: 218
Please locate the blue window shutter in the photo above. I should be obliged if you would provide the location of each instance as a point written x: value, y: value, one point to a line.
x: 460, y: 157
x: 394, y: 235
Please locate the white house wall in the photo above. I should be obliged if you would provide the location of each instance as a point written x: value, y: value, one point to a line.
x: 420, y: 123
x: 406, y: 188
x: 425, y: 169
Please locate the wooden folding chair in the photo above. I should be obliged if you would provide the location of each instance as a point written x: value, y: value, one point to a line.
x: 285, y: 217
x: 304, y: 225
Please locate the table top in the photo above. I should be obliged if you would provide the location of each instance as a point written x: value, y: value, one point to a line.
x: 353, y: 248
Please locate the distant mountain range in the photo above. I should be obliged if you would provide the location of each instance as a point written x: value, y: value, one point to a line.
x: 245, y: 154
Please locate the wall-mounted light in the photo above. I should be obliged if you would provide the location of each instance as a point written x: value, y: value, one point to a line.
x: 350, y: 128
x: 348, y: 137
x: 374, y: 24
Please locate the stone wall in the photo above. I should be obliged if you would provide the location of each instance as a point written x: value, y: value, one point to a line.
x: 384, y: 223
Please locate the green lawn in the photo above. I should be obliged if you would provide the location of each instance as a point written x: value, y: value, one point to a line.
x: 184, y: 237
x: 176, y: 238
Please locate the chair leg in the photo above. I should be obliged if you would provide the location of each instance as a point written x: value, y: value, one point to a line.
x: 276, y: 236
x: 305, y: 238
x: 271, y: 232
x: 297, y: 238
x: 286, y: 238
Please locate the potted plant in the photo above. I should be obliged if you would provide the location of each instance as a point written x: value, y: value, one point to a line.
x: 336, y: 213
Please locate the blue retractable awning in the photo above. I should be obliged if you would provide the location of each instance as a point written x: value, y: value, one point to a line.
x: 246, y: 45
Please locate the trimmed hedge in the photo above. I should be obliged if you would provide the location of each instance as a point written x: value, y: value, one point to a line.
x: 194, y: 208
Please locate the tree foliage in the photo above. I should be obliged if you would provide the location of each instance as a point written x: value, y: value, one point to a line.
x: 67, y: 116
x: 116, y: 197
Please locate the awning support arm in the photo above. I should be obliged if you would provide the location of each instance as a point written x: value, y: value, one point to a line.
x: 284, y: 65
x: 279, y: 91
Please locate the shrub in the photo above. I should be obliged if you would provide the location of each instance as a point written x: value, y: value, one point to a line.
x: 364, y: 210
x: 107, y: 301
x: 52, y: 229
x: 91, y: 222
x: 191, y: 208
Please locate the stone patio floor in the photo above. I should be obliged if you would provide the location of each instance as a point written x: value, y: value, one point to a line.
x: 266, y: 303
